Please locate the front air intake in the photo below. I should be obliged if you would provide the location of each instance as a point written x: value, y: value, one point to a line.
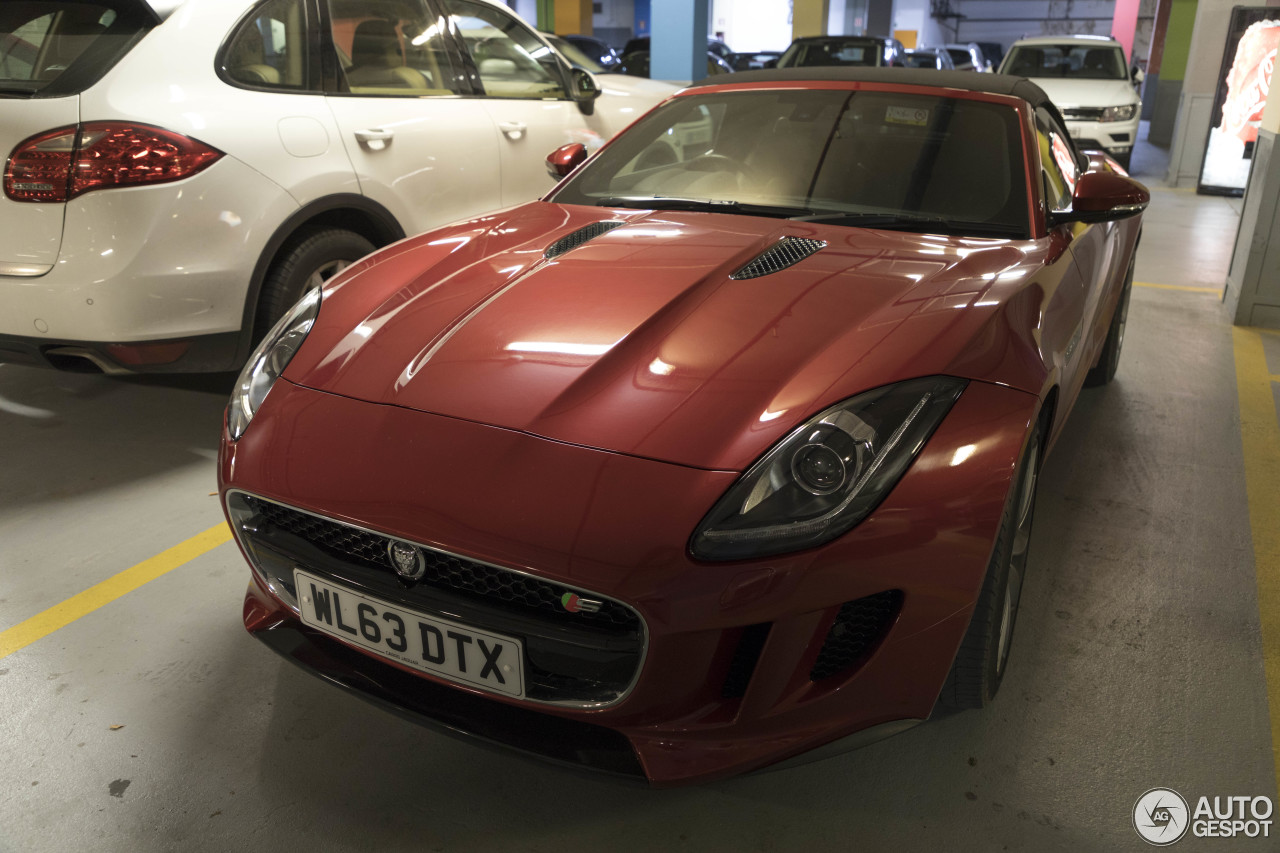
x: 857, y: 631
x: 787, y: 252
x: 582, y: 235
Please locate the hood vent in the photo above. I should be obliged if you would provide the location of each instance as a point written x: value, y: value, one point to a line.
x: 787, y: 252
x: 577, y: 238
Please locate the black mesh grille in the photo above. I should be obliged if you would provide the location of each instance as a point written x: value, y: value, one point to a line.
x: 1083, y: 113
x: 743, y: 665
x: 785, y: 253
x: 859, y: 626
x: 443, y: 570
x: 577, y: 238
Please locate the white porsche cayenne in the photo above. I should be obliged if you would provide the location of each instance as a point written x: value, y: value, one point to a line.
x: 178, y: 172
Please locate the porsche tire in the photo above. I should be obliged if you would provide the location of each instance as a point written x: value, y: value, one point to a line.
x: 311, y: 259
x: 983, y: 657
x: 1109, y: 358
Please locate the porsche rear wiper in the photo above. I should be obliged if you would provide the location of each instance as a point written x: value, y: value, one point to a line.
x: 909, y: 220
x: 709, y: 205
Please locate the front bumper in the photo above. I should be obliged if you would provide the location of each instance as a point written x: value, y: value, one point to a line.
x: 1115, y: 137
x: 729, y: 679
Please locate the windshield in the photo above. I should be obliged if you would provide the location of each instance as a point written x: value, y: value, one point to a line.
x: 1081, y: 61
x: 59, y: 48
x: 806, y: 54
x: 857, y: 158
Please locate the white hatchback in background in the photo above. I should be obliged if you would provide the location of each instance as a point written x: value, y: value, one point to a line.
x: 178, y: 172
x: 1089, y: 81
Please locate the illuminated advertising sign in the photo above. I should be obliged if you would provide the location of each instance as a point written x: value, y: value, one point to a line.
x: 1245, y: 80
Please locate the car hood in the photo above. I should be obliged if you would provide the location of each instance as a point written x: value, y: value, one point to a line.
x: 638, y: 341
x: 1067, y: 93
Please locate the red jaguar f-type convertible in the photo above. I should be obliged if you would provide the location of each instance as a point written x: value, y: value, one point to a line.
x: 722, y: 454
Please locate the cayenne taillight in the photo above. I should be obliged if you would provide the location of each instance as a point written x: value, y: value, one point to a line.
x: 61, y: 164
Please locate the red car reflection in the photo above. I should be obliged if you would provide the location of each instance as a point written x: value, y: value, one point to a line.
x: 721, y: 455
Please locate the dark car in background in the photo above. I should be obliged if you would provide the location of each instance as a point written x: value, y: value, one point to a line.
x: 635, y: 58
x: 936, y: 58
x: 600, y: 52
x: 856, y: 51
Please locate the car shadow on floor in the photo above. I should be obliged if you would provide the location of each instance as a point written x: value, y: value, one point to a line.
x: 67, y: 434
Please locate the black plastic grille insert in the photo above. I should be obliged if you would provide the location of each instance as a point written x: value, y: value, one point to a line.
x: 859, y: 627
x: 787, y: 252
x: 576, y: 238
x: 444, y: 570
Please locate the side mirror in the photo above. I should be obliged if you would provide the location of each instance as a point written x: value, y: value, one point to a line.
x: 583, y: 89
x: 565, y: 159
x: 1103, y: 197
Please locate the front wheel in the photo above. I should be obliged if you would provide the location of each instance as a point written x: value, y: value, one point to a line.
x: 980, y: 664
x: 302, y: 265
x: 1109, y: 357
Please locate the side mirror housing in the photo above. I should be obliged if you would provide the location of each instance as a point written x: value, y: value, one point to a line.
x: 1102, y: 196
x: 583, y: 89
x: 565, y: 159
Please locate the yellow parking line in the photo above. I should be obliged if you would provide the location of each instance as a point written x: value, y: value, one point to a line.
x: 60, y: 615
x: 1216, y: 291
x: 1260, y: 435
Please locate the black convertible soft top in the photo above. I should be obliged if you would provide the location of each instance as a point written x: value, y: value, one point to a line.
x: 971, y: 81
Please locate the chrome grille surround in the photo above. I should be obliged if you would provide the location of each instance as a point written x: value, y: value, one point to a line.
x: 355, y: 542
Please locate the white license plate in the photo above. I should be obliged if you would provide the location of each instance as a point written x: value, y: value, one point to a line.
x: 1075, y: 131
x: 441, y: 647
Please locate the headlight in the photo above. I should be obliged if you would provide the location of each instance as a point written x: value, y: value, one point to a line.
x: 828, y: 475
x: 1122, y: 113
x: 269, y: 360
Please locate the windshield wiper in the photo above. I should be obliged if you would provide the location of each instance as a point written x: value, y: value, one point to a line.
x: 912, y: 221
x: 709, y: 205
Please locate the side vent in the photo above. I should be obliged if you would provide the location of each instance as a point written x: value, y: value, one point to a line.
x: 577, y: 238
x: 743, y: 665
x: 787, y: 252
x: 859, y: 627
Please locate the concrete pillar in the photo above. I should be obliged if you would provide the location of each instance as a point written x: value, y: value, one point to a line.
x: 1173, y: 69
x: 809, y: 18
x: 1252, y: 296
x: 1195, y: 104
x: 573, y: 16
x: 678, y: 50
x: 1155, y: 57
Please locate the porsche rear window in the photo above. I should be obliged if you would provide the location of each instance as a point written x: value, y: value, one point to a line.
x: 59, y: 48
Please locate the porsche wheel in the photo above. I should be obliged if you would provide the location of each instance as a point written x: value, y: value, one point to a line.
x: 1109, y: 359
x: 983, y: 658
x: 311, y: 260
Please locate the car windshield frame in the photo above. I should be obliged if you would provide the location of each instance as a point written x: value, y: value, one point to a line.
x: 824, y: 157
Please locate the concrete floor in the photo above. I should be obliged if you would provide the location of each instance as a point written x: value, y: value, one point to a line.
x: 155, y: 723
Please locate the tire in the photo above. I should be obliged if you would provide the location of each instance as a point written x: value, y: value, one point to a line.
x: 311, y: 259
x: 983, y: 657
x: 1109, y: 357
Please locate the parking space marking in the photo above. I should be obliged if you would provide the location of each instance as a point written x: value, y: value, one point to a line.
x: 1260, y: 435
x: 1216, y: 291
x: 60, y: 615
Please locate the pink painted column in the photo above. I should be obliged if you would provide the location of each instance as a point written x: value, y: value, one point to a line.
x: 1125, y: 25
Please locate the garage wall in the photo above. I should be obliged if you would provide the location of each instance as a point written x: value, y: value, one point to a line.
x: 1006, y: 21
